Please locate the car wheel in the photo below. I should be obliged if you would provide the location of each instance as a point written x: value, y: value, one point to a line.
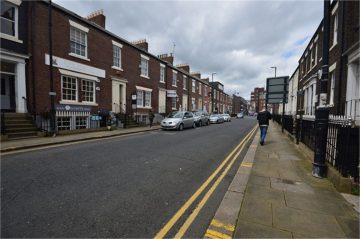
x: 194, y: 125
x: 200, y: 123
x: 181, y: 127
x: 208, y: 122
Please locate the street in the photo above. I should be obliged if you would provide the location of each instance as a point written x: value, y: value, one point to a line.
x: 118, y: 187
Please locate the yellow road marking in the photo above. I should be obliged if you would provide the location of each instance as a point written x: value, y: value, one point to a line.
x: 188, y: 203
x: 211, y: 233
x: 211, y: 236
x: 228, y: 227
x: 201, y: 204
x: 249, y: 165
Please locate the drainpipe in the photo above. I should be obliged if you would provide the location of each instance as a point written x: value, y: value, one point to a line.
x: 340, y: 109
x: 51, y: 92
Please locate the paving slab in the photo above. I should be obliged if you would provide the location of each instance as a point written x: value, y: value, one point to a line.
x: 254, y: 230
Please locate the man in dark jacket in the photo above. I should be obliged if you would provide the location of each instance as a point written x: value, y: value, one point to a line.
x: 263, y: 118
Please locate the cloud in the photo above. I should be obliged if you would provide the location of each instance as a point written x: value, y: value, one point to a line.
x: 240, y: 40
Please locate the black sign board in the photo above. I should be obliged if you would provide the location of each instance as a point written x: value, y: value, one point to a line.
x: 277, y: 89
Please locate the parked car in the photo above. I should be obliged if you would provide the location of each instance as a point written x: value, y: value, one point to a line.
x: 240, y: 115
x: 216, y: 118
x: 178, y: 121
x: 227, y: 117
x: 201, y: 117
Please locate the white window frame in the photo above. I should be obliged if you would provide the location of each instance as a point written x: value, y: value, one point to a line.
x: 173, y: 103
x: 185, y: 82
x: 332, y: 83
x: 15, y: 37
x: 174, y: 79
x: 117, y: 46
x: 143, y: 97
x: 85, y: 31
x: 162, y: 73
x: 93, y: 91
x: 199, y: 88
x: 144, y: 66
x: 193, y: 85
x: 76, y: 89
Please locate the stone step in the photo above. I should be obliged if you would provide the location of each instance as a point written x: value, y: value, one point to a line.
x: 21, y: 134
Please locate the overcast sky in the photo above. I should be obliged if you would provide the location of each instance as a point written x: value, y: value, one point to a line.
x: 239, y: 40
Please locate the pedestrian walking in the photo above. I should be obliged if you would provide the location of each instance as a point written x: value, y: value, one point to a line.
x: 151, y: 117
x: 263, y: 118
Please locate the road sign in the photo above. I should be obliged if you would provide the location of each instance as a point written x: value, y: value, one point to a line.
x: 277, y: 89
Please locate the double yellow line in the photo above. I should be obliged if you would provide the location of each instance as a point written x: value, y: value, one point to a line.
x: 189, y: 202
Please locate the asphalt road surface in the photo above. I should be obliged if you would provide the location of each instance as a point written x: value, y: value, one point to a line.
x: 128, y: 186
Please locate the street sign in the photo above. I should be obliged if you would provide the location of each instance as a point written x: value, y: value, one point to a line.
x: 277, y: 89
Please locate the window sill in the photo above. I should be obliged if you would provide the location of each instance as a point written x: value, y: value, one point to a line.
x: 10, y: 38
x: 162, y: 82
x: 146, y: 77
x: 174, y: 85
x: 117, y: 68
x: 333, y: 46
x: 144, y: 107
x: 78, y: 56
x: 64, y: 102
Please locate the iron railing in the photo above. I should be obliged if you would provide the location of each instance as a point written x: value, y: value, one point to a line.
x: 342, y: 149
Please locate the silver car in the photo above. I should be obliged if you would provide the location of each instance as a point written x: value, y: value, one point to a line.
x: 179, y: 121
x: 227, y: 117
x: 216, y: 118
x: 201, y: 118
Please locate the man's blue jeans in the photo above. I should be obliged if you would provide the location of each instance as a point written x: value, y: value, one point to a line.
x: 263, y: 130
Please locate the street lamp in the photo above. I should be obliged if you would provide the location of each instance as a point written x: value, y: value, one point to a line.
x: 274, y: 67
x: 212, y: 91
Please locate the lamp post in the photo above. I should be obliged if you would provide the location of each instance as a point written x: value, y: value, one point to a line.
x: 322, y: 111
x: 274, y: 67
x: 212, y: 91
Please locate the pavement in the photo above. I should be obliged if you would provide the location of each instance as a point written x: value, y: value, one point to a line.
x: 274, y: 195
x: 21, y: 144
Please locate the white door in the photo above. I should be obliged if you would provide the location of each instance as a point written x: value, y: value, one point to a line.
x: 162, y: 101
x: 118, y: 97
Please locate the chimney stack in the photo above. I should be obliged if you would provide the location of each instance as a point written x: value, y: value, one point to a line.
x: 141, y: 44
x: 196, y: 74
x: 98, y: 18
x: 205, y: 80
x: 167, y: 57
x: 184, y: 67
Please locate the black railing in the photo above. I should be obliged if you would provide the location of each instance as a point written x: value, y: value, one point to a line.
x: 289, y: 123
x: 3, y: 126
x: 342, y: 150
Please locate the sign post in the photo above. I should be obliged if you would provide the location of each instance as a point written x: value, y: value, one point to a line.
x: 277, y: 92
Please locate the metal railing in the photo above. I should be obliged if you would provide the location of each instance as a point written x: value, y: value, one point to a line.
x: 342, y: 149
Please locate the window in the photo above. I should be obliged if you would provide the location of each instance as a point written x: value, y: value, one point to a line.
x: 185, y: 83
x: 174, y: 78
x: 69, y: 88
x: 335, y: 30
x: 332, y: 88
x: 313, y: 57
x: 63, y: 123
x: 173, y: 103
x: 143, y: 98
x: 144, y: 66
x: 162, y: 73
x: 147, y: 99
x: 193, y: 85
x: 9, y: 19
x: 139, y: 98
x: 200, y: 88
x: 78, y: 42
x: 88, y: 89
x: 80, y: 122
x: 117, y: 55
x: 193, y: 106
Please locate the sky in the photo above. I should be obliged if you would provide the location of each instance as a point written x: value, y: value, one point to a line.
x: 239, y: 40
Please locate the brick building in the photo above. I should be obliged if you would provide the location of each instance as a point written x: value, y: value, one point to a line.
x: 93, y: 70
x: 343, y: 83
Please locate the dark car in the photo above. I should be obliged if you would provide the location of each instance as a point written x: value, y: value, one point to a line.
x: 201, y: 117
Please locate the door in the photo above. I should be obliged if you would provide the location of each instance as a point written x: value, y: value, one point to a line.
x: 118, y: 97
x: 8, y: 93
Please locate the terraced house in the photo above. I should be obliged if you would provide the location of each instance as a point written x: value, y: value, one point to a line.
x: 343, y: 85
x: 93, y: 70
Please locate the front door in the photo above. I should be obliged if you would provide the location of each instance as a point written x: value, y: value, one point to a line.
x: 8, y: 93
x: 118, y: 97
